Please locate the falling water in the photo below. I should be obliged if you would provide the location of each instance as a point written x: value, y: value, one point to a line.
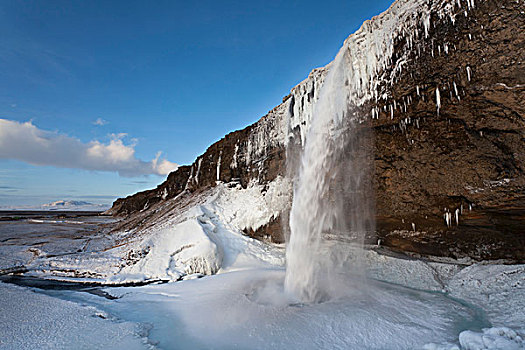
x: 332, y: 198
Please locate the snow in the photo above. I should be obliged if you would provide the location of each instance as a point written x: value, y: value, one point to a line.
x: 404, y: 304
x: 184, y: 249
x: 32, y: 320
x: 247, y: 309
x: 498, y: 289
x: 491, y: 338
x: 494, y: 338
x: 254, y: 206
x: 208, y: 237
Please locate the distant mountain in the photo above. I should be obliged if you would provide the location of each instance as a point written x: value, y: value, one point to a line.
x: 74, y: 205
x: 64, y: 205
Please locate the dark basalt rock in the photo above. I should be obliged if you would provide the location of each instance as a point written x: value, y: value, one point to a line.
x: 470, y: 154
x: 467, y: 155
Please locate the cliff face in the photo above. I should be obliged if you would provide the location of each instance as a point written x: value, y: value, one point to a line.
x: 465, y: 156
x: 447, y: 111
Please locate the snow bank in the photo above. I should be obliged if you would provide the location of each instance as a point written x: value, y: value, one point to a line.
x: 498, y: 289
x: 183, y: 249
x: 495, y: 338
x: 207, y: 237
x: 402, y: 271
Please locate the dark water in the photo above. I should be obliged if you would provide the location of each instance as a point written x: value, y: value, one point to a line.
x: 47, y: 284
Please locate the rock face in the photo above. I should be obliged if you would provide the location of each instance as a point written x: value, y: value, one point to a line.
x: 448, y: 120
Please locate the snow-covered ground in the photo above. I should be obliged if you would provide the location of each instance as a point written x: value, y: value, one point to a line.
x: 30, y: 320
x: 240, y: 302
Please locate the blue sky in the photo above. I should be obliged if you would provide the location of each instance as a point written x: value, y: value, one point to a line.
x: 174, y: 76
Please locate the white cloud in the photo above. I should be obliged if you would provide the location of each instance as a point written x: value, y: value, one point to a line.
x: 100, y: 122
x: 26, y: 142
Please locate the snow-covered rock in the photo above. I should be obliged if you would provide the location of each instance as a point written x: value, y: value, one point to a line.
x: 183, y: 249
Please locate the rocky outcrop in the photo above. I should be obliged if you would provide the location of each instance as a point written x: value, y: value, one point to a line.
x: 448, y: 119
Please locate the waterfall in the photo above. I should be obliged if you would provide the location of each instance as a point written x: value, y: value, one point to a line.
x: 332, y: 200
x: 333, y: 179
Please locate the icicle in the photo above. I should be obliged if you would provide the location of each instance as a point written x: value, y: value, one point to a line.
x: 414, y: 227
x: 468, y: 73
x: 234, y: 160
x: 457, y: 217
x: 448, y: 218
x: 456, y: 90
x: 198, y: 171
x: 438, y: 100
x: 426, y: 24
x: 219, y: 167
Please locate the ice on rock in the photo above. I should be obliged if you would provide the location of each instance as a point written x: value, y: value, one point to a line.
x: 198, y: 170
x: 233, y: 164
x: 254, y: 206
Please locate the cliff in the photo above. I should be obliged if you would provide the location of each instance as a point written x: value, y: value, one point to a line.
x: 442, y: 86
